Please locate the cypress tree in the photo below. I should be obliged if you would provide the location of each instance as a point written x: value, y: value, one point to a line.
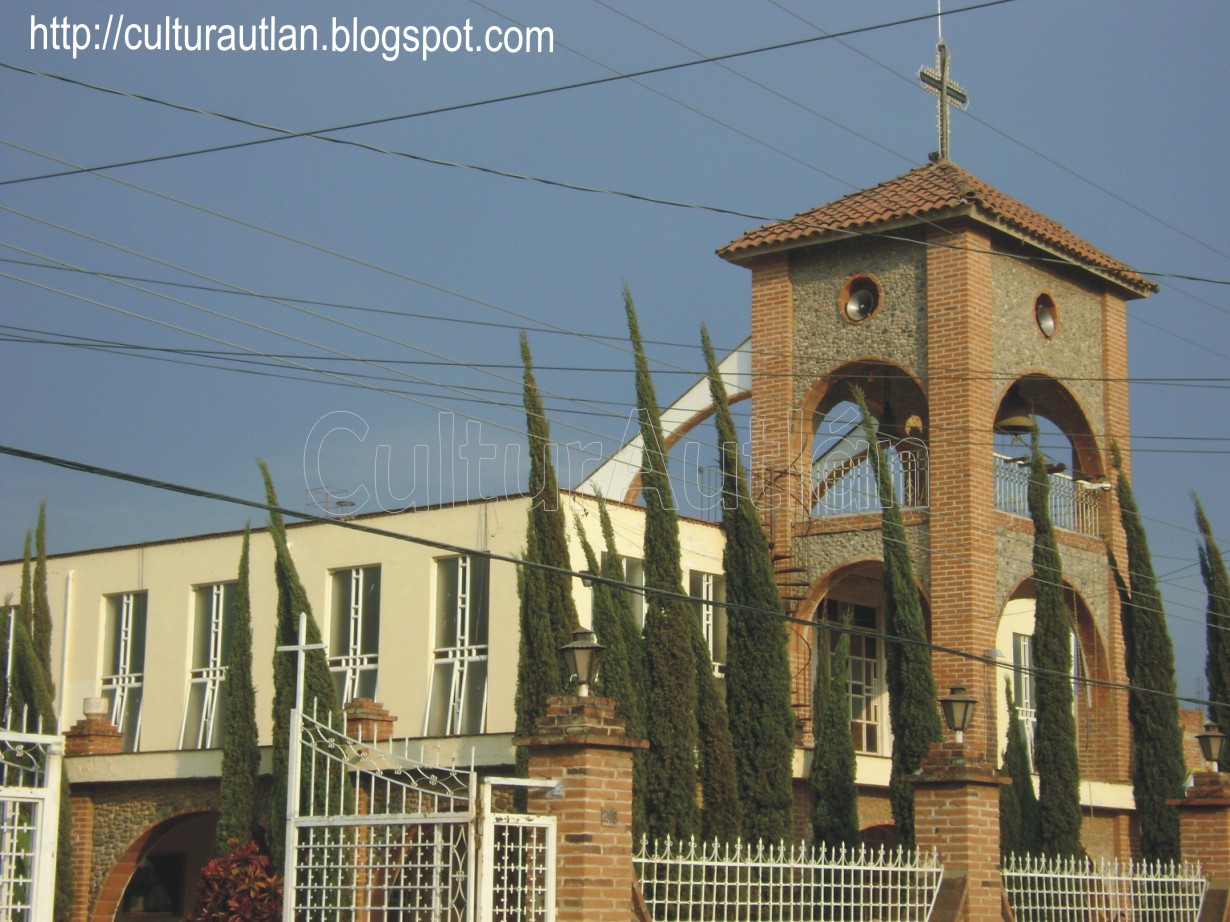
x: 681, y: 691
x: 29, y: 685
x: 757, y: 667
x: 538, y: 663
x: 547, y: 611
x: 615, y: 628
x: 31, y: 692
x: 1018, y: 804
x: 1055, y: 757
x: 834, y: 796
x: 1217, y: 624
x: 551, y: 545
x: 40, y: 622
x: 240, y: 752
x: 622, y: 673
x: 319, y: 692
x: 1157, y: 739
x: 8, y: 615
x: 912, y: 710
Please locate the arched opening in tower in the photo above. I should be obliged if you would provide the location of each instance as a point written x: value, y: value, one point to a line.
x: 842, y: 480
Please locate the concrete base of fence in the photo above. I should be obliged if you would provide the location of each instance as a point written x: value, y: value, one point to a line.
x: 956, y: 813
x: 581, y: 744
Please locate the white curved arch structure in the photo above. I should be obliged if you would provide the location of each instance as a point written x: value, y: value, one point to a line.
x: 616, y: 477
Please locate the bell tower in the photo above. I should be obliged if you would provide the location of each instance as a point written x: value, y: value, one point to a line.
x: 964, y: 316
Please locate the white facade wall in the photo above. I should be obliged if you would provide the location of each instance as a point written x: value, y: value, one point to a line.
x: 170, y: 571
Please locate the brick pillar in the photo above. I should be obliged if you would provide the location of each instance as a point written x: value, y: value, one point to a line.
x: 963, y: 396
x: 1204, y: 829
x: 580, y: 743
x: 93, y: 735
x: 956, y: 812
x: 368, y: 720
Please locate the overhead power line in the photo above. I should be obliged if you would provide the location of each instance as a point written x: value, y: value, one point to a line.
x: 518, y: 561
x: 457, y: 107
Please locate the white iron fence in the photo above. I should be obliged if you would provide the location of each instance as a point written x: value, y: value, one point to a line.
x: 844, y: 483
x: 1070, y: 890
x: 694, y: 882
x: 377, y: 834
x: 373, y: 834
x: 29, y: 818
x: 1074, y: 504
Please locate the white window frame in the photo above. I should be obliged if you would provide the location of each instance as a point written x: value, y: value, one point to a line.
x: 1024, y: 687
x: 346, y: 657
x: 462, y: 654
x: 869, y: 682
x: 706, y: 590
x: 212, y: 675
x: 127, y: 679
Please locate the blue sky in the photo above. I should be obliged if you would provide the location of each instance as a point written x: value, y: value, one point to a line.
x: 1110, y: 117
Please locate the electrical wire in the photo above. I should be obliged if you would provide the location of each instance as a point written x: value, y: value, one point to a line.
x: 457, y: 107
x: 518, y: 561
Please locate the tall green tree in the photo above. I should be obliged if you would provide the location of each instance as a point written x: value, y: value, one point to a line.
x: 240, y: 750
x: 912, y: 703
x: 550, y: 526
x: 685, y: 718
x: 622, y: 676
x: 757, y: 665
x: 319, y: 691
x: 1018, y: 804
x: 30, y: 684
x: 1217, y: 624
x: 1055, y: 755
x: 834, y: 795
x: 1157, y: 739
x: 547, y: 611
x: 31, y: 694
x: 40, y: 620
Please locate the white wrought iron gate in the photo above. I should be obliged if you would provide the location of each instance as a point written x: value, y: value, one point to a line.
x: 29, y: 818
x: 376, y: 834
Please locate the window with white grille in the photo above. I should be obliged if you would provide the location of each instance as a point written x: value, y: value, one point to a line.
x: 123, y: 671
x: 457, y: 701
x: 212, y: 626
x: 354, y: 632
x: 706, y: 589
x: 1023, y: 688
x: 868, y: 696
x: 1024, y: 692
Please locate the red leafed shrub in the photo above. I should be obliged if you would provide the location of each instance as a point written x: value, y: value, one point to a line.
x: 239, y: 887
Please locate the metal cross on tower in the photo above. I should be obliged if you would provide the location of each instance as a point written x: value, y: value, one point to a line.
x: 950, y: 93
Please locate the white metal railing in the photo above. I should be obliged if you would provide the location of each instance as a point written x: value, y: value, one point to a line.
x: 1042, y: 889
x: 1074, y: 504
x: 843, y: 482
x: 695, y: 882
x: 29, y: 817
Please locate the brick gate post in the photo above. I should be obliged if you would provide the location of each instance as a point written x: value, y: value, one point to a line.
x: 580, y: 743
x: 1204, y: 830
x: 93, y: 735
x: 956, y: 812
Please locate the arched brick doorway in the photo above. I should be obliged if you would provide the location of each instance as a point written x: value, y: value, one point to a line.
x: 158, y: 871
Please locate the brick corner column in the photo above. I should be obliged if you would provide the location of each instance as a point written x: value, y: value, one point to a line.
x: 368, y: 720
x: 581, y: 744
x: 93, y: 735
x: 1204, y: 831
x: 956, y: 813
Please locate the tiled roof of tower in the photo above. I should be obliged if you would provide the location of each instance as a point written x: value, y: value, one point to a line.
x: 929, y: 192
